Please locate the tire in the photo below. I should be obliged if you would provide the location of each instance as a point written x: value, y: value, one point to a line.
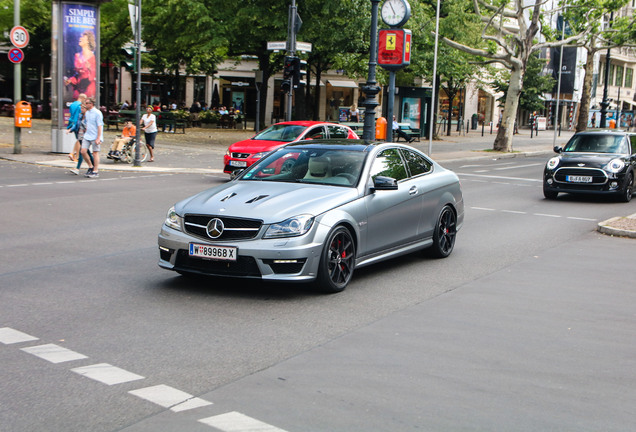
x: 337, y: 261
x: 628, y: 189
x: 444, y: 234
x: 548, y: 194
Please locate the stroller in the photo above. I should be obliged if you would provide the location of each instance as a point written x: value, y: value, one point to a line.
x: 127, y: 154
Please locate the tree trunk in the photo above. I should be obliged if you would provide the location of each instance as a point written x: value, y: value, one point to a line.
x: 584, y: 109
x: 317, y: 95
x: 503, y: 141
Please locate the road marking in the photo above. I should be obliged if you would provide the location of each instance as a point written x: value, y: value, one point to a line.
x: 517, y: 166
x: 54, y: 353
x: 11, y: 336
x: 237, y: 422
x: 499, y: 177
x: 107, y: 374
x: 169, y: 397
x: 535, y: 214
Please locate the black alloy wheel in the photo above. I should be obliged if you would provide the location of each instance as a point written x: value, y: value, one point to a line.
x: 445, y: 233
x: 628, y: 189
x: 337, y: 261
x: 549, y: 194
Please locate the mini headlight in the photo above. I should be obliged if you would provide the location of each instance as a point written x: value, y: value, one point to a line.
x: 291, y: 227
x: 173, y: 220
x: 553, y: 163
x: 615, y: 165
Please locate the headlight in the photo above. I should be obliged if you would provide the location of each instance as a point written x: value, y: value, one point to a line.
x: 292, y: 227
x: 173, y: 220
x: 259, y: 155
x: 553, y: 163
x: 615, y: 165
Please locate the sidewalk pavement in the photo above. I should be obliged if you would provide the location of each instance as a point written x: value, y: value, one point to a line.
x: 200, y: 150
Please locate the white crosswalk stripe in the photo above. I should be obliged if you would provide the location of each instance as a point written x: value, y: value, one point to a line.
x: 237, y: 422
x: 107, y: 374
x: 169, y: 397
x: 11, y: 336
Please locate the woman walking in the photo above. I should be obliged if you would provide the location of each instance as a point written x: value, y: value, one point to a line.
x: 149, y: 126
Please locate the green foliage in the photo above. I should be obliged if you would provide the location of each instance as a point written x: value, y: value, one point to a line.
x: 534, y: 84
x: 209, y: 117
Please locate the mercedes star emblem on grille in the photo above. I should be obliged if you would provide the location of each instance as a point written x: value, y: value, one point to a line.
x: 215, y: 228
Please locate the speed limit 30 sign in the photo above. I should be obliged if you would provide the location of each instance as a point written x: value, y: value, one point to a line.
x: 19, y: 37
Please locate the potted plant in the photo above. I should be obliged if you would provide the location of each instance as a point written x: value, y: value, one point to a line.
x: 209, y: 119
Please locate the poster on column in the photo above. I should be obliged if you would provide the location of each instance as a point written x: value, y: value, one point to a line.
x: 79, y: 62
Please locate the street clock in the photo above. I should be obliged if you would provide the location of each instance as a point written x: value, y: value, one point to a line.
x: 396, y: 12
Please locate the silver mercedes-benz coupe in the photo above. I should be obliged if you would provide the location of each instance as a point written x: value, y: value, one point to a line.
x: 315, y: 211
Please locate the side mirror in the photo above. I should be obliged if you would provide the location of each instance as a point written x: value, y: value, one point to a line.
x: 385, y: 183
x: 558, y: 149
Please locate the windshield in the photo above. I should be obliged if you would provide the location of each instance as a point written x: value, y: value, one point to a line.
x: 596, y: 144
x: 321, y: 166
x: 286, y: 133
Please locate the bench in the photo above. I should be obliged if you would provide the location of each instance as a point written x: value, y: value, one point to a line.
x: 166, y: 119
x: 409, y: 131
x: 112, y: 119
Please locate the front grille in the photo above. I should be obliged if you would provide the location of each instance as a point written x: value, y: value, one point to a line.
x: 598, y: 176
x: 244, y: 266
x: 240, y: 155
x: 235, y: 228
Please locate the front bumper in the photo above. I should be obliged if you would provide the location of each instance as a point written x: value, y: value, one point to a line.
x: 291, y: 259
x: 603, y: 182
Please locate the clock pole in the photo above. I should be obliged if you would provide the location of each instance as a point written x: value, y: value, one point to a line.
x: 371, y: 88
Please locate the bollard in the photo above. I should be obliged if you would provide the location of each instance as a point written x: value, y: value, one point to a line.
x: 483, y: 126
x: 467, y: 126
x: 490, y: 128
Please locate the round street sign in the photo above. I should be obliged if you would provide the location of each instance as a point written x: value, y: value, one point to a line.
x: 16, y: 55
x: 19, y: 37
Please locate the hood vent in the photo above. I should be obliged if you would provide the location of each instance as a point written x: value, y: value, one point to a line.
x: 258, y: 198
x: 228, y: 197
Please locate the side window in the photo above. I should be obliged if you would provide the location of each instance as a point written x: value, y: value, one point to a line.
x: 337, y: 131
x: 389, y: 164
x: 632, y: 138
x: 316, y: 133
x: 416, y: 163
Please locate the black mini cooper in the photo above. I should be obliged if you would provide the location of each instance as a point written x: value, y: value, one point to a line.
x: 601, y: 162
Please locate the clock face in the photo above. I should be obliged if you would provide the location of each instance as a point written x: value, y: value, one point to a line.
x: 395, y: 12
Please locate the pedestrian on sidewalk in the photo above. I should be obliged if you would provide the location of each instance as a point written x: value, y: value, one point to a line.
x: 80, y: 138
x: 93, y: 137
x: 73, y: 125
x: 148, y: 124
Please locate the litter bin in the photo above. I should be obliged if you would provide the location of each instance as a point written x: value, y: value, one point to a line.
x: 474, y: 120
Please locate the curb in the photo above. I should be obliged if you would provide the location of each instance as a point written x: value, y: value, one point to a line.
x: 606, y: 227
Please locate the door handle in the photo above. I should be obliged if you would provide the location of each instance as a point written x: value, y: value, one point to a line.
x: 413, y: 190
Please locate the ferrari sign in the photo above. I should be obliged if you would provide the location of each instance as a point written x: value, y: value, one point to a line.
x: 394, y: 48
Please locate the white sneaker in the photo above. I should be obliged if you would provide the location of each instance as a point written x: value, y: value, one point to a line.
x: 74, y: 171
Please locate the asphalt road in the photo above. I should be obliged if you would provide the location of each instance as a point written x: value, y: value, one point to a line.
x: 529, y: 325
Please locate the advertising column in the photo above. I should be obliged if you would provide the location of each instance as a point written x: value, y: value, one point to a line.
x: 74, y: 64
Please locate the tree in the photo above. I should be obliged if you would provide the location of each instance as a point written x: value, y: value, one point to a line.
x: 534, y: 84
x: 587, y: 16
x: 184, y: 33
x: 510, y: 28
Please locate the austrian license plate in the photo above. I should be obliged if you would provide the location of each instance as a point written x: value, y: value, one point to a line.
x: 579, y: 179
x: 213, y: 252
x: 238, y: 164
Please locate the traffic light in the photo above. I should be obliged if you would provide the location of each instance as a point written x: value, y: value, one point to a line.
x: 300, y: 73
x: 289, y: 68
x: 129, y: 62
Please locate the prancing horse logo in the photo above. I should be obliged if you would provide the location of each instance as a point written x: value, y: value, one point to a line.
x: 215, y: 228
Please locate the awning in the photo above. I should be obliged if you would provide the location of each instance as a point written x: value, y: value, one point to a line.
x: 343, y: 83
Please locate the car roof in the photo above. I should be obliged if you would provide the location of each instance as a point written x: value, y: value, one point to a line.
x: 605, y: 132
x: 343, y: 144
x: 306, y: 123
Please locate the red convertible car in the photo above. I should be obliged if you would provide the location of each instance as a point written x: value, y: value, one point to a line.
x: 242, y: 154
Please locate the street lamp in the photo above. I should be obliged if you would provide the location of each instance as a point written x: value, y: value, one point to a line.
x: 605, y: 103
x: 371, y: 88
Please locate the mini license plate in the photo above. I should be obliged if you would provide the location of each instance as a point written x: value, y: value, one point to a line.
x: 238, y: 164
x: 579, y: 179
x: 213, y: 252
